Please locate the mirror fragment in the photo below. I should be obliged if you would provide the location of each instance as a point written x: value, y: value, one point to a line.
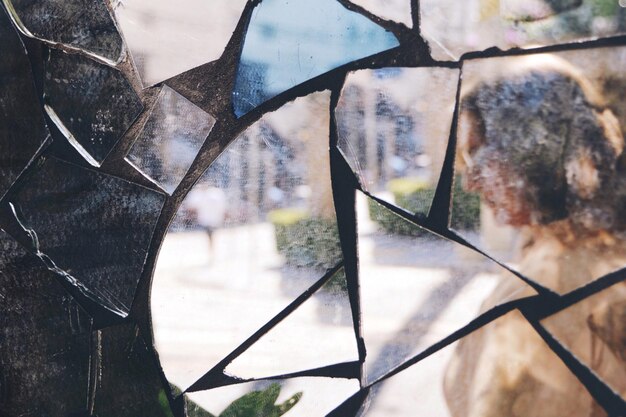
x: 82, y: 24
x: 393, y: 131
x: 257, y: 230
x: 539, y: 164
x: 170, y: 140
x: 303, y: 396
x: 92, y: 104
x: 318, y: 334
x: 290, y: 42
x: 45, y: 339
x: 23, y: 129
x: 417, y: 288
x: 93, y: 229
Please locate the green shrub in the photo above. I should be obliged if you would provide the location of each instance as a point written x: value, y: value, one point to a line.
x: 416, y: 196
x: 306, y: 242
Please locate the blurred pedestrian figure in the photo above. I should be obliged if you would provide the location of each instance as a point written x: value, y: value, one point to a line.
x: 209, y: 205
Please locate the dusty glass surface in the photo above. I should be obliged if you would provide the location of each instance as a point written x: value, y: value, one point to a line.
x: 22, y: 127
x: 166, y: 38
x: 593, y: 330
x: 540, y: 142
x: 83, y: 25
x: 255, y: 232
x: 315, y: 396
x: 453, y: 28
x: 289, y: 42
x: 396, y: 10
x: 512, y: 372
x: 170, y: 139
x: 92, y: 104
x: 416, y: 287
x: 45, y: 338
x: 393, y: 131
x: 319, y: 333
x: 92, y: 229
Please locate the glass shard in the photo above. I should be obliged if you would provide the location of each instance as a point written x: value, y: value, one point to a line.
x: 128, y: 382
x: 416, y: 290
x: 256, y: 231
x: 502, y: 369
x: 22, y: 127
x: 81, y: 24
x: 393, y: 131
x: 454, y: 28
x: 593, y: 330
x: 538, y: 165
x: 45, y: 339
x: 396, y: 10
x: 302, y: 396
x: 92, y: 228
x: 319, y: 333
x: 92, y: 104
x: 170, y: 139
x: 290, y: 42
x: 167, y: 38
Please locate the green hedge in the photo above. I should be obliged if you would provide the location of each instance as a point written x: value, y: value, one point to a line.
x: 416, y: 196
x: 306, y: 242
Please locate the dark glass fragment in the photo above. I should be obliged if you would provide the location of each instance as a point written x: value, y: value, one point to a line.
x: 92, y: 104
x: 82, y: 24
x: 44, y: 339
x: 94, y: 228
x: 128, y: 381
x: 22, y: 127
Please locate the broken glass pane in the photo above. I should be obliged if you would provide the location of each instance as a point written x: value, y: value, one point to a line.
x: 256, y: 231
x: 540, y: 177
x: 22, y: 127
x: 593, y: 330
x: 167, y: 38
x: 44, y: 339
x: 93, y: 229
x: 91, y: 104
x: 396, y: 10
x: 170, y: 139
x: 81, y: 24
x: 454, y: 28
x: 393, y: 131
x: 319, y: 333
x: 290, y: 42
x: 128, y: 382
x: 502, y: 369
x: 417, y: 288
x: 304, y: 396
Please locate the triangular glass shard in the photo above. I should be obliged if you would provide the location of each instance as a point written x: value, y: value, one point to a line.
x: 170, y: 140
x: 396, y: 10
x: 319, y: 333
x: 393, y: 131
x: 302, y: 396
x: 418, y: 289
x: 45, y: 339
x: 502, y: 369
x: 257, y: 230
x: 22, y: 126
x: 289, y: 42
x: 128, y: 381
x: 454, y: 28
x: 168, y: 38
x: 84, y: 25
x: 593, y: 330
x: 92, y: 104
x: 538, y: 190
x: 91, y: 228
